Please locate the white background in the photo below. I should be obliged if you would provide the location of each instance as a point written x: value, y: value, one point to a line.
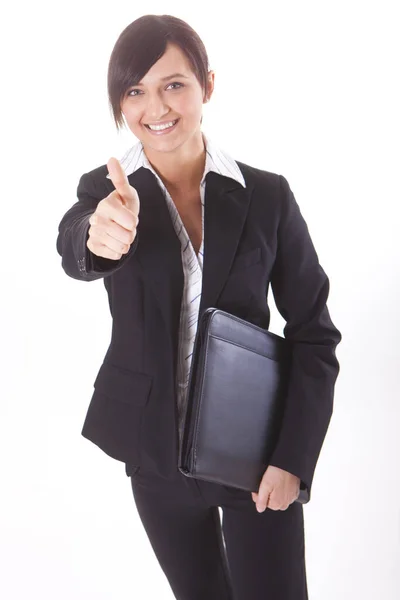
x: 305, y: 89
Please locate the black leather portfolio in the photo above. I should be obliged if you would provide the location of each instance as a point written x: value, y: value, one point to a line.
x: 236, y: 394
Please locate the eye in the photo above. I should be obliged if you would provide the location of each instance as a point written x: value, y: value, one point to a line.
x: 130, y: 93
x: 176, y: 83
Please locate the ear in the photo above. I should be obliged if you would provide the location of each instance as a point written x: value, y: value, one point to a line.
x: 210, y: 87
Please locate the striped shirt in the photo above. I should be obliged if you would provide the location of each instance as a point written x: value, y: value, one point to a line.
x: 220, y: 162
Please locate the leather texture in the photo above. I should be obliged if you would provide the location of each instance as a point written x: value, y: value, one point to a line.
x: 237, y: 391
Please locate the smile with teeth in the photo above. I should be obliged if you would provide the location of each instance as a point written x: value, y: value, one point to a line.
x: 162, y: 127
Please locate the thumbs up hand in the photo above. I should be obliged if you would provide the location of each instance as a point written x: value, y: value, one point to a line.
x: 113, y: 224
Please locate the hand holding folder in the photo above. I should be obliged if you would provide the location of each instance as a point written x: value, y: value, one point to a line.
x: 278, y: 489
x: 235, y: 403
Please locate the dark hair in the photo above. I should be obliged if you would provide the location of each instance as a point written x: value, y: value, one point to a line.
x: 140, y: 45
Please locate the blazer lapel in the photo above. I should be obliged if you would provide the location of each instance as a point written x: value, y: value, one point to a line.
x: 159, y: 249
x: 226, y: 207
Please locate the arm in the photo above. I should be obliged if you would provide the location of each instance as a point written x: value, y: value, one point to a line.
x: 73, y: 232
x: 301, y: 287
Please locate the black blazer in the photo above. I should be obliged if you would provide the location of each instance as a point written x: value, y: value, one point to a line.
x: 253, y: 238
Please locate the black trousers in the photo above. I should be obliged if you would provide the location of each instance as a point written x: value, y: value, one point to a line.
x: 249, y: 556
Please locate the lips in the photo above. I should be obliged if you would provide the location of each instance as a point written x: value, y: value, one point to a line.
x: 174, y: 121
x: 163, y: 132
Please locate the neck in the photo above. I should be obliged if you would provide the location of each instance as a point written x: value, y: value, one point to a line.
x: 183, y: 168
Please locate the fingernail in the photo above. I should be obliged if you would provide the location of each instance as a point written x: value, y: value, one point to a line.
x: 260, y: 507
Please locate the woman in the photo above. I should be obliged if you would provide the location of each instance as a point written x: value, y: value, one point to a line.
x: 177, y: 227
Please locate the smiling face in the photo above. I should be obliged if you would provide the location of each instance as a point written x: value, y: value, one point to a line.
x: 160, y: 98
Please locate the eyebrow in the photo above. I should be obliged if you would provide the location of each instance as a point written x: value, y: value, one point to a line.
x: 170, y: 77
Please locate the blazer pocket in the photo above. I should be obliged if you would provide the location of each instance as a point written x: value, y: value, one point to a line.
x: 246, y: 259
x: 121, y: 384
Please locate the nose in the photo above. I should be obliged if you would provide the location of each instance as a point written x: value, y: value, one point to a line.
x: 155, y: 109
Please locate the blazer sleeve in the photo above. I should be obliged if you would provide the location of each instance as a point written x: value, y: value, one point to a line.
x: 301, y: 287
x: 73, y: 232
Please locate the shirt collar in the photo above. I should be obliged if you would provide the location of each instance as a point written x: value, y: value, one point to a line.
x: 217, y: 160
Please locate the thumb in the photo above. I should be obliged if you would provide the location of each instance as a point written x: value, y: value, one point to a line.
x: 262, y: 497
x: 118, y: 176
